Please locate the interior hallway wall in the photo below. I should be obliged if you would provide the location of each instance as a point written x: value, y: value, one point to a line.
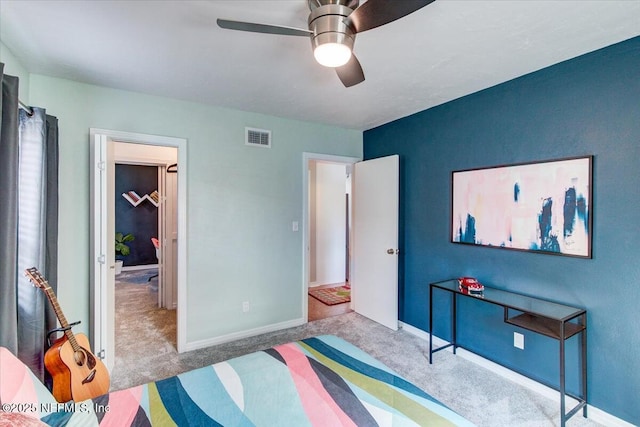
x: 328, y: 228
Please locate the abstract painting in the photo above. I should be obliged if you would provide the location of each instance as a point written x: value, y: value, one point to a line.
x: 541, y: 206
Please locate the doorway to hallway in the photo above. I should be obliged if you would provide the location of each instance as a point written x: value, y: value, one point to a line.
x: 171, y: 204
x: 373, y: 243
x: 328, y: 226
x: 145, y: 290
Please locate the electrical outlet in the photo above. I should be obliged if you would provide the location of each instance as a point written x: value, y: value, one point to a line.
x: 518, y: 340
x: 245, y: 306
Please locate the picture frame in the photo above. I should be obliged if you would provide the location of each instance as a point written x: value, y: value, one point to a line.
x: 543, y: 206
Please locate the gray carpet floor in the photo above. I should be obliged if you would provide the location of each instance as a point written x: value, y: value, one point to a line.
x: 145, y: 341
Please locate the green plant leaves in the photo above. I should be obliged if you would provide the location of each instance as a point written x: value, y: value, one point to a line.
x: 121, y: 239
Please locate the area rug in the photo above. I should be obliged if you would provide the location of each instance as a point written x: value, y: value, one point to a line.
x: 332, y: 296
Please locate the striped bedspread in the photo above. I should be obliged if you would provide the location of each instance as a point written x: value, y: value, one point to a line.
x: 321, y: 381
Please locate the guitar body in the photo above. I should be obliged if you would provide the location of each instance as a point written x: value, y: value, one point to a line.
x: 77, y: 375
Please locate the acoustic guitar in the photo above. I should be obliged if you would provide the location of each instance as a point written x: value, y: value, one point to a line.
x: 76, y: 372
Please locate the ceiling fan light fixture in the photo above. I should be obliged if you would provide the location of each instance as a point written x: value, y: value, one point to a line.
x: 333, y: 25
x: 332, y: 54
x: 332, y: 39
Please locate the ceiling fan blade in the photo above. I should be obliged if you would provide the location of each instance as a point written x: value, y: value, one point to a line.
x: 375, y: 13
x: 351, y: 73
x: 262, y: 28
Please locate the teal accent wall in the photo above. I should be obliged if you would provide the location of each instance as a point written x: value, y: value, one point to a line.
x: 589, y: 105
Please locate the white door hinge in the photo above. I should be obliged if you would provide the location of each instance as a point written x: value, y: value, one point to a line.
x: 101, y: 354
x: 101, y: 165
x: 102, y: 259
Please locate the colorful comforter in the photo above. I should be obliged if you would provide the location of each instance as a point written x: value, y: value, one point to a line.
x: 321, y: 381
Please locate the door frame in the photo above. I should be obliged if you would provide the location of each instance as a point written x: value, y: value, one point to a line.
x: 307, y: 158
x: 101, y: 315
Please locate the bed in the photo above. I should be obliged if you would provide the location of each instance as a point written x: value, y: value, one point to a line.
x: 320, y: 381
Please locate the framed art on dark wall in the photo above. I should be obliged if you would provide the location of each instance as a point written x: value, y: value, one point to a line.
x: 539, y: 206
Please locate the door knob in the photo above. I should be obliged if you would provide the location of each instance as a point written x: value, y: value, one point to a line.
x: 393, y: 251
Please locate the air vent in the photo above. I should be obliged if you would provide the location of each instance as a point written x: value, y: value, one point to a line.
x: 257, y: 137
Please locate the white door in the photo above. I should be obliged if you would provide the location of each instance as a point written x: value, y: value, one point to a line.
x: 168, y: 237
x: 170, y: 244
x: 161, y: 235
x: 374, y: 278
x: 102, y: 248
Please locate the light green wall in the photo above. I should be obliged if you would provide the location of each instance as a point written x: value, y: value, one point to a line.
x: 14, y: 67
x: 241, y: 200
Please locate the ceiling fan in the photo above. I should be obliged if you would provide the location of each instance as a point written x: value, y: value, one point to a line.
x: 333, y: 25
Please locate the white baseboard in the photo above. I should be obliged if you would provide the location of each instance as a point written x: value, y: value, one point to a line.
x: 139, y: 267
x: 605, y: 418
x: 195, y: 345
x: 314, y: 284
x: 593, y: 413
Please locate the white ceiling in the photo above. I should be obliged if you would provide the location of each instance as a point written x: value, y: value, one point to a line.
x: 175, y: 49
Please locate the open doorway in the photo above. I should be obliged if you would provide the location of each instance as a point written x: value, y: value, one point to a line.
x: 145, y: 289
x: 327, y: 236
x: 104, y: 145
x: 373, y: 243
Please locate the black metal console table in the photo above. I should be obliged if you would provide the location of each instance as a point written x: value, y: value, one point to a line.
x: 550, y: 319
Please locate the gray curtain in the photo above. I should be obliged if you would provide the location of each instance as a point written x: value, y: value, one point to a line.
x: 32, y: 228
x: 8, y: 212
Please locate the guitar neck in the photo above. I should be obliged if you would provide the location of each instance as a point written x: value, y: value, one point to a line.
x: 61, y: 318
x: 40, y: 282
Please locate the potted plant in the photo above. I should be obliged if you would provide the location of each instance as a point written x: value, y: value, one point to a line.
x: 122, y: 250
